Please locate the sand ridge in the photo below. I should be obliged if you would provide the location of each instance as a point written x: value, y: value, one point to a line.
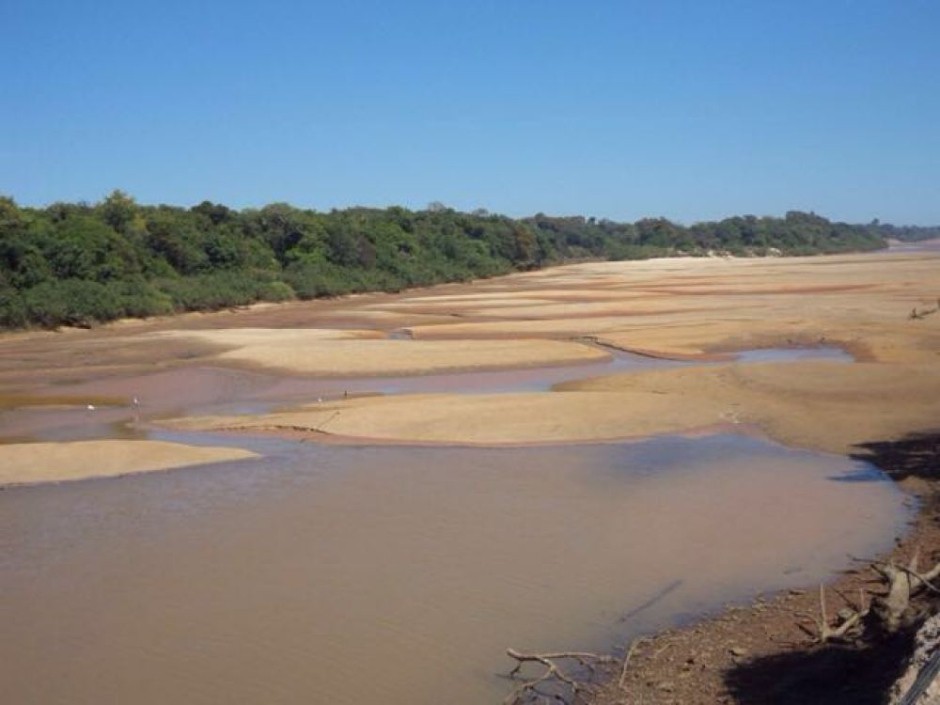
x: 31, y: 463
x: 714, y: 307
x: 337, y: 354
x: 692, y: 309
x: 820, y: 405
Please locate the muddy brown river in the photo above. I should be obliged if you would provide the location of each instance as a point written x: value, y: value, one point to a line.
x: 400, y: 575
x: 393, y: 575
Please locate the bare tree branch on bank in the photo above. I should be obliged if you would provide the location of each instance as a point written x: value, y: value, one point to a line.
x: 565, y: 675
x: 893, y: 606
x: 883, y: 614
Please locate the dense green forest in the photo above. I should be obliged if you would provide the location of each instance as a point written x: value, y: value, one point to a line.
x: 77, y: 263
x: 906, y: 233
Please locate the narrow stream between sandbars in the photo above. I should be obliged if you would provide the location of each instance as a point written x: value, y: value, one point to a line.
x: 399, y: 575
x: 200, y: 390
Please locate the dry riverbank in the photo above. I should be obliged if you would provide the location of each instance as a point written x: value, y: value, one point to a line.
x: 697, y: 310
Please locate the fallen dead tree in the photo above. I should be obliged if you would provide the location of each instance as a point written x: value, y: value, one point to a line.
x: 905, y: 605
x: 885, y: 613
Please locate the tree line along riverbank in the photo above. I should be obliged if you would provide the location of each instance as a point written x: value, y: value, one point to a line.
x: 77, y: 264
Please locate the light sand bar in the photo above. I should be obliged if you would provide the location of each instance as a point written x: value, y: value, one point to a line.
x: 819, y: 405
x: 696, y: 309
x: 31, y: 463
x: 341, y: 354
x: 684, y: 308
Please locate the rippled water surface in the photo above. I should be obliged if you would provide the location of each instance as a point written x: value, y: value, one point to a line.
x: 400, y: 575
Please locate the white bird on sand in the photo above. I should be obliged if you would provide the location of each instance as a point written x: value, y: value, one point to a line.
x: 90, y: 407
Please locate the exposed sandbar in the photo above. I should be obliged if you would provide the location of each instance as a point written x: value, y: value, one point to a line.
x: 31, y: 463
x: 826, y: 406
x: 682, y: 308
x: 336, y: 353
x: 690, y: 309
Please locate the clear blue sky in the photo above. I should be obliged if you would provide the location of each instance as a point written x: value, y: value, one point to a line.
x: 692, y: 110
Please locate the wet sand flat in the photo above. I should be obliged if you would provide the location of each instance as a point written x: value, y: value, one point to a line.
x: 702, y: 309
x: 314, y: 354
x: 31, y: 463
x: 690, y: 309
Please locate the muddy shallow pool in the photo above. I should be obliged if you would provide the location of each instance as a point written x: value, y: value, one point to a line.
x: 203, y: 390
x: 400, y: 575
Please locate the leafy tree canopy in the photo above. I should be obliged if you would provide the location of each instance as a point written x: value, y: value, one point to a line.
x: 77, y: 264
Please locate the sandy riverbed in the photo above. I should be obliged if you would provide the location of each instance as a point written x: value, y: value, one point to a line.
x: 358, y: 353
x: 696, y: 310
x: 31, y: 463
x: 683, y: 308
x: 691, y: 309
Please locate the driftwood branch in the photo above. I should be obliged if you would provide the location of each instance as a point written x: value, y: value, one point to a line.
x: 825, y: 632
x: 565, y: 676
x: 626, y: 662
x: 556, y: 681
x: 886, y: 612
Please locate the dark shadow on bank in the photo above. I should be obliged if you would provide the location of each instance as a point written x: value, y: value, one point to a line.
x: 836, y: 674
x: 822, y: 675
x: 915, y: 455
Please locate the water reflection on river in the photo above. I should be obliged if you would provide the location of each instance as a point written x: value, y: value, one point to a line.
x: 400, y: 575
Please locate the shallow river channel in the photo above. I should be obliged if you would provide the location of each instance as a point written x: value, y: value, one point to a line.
x: 399, y: 575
